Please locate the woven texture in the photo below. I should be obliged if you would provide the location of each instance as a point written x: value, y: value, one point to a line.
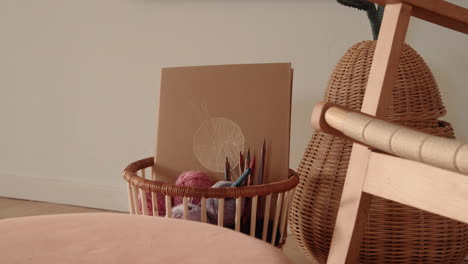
x: 395, y: 233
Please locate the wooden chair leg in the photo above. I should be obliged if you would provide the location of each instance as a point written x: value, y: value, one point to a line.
x: 359, y: 228
x: 382, y: 76
x: 352, y: 213
x: 354, y: 206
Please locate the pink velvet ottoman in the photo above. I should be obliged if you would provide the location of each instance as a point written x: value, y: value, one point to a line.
x: 120, y: 238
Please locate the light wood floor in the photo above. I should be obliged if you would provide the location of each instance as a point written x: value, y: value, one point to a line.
x: 17, y: 208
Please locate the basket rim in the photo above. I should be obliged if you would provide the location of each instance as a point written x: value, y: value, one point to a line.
x: 130, y: 175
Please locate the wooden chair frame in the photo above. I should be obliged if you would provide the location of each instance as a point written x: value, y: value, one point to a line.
x: 364, y: 162
x: 431, y: 173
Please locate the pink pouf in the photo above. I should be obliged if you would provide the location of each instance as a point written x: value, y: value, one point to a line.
x: 192, y: 179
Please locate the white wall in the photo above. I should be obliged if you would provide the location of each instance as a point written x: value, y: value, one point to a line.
x: 79, y: 79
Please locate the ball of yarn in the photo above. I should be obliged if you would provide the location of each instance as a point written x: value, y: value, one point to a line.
x: 149, y: 204
x: 212, y: 207
x: 194, y: 212
x: 192, y: 179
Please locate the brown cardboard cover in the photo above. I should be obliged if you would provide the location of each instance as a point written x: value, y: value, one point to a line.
x: 205, y: 111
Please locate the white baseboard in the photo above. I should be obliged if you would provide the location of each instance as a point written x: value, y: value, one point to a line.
x: 64, y: 192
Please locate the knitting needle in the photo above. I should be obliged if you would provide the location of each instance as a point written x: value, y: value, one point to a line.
x: 251, y: 176
x: 241, y: 163
x: 262, y: 163
x: 260, y: 178
x: 248, y: 202
x: 227, y: 170
x: 242, y: 178
x: 247, y: 159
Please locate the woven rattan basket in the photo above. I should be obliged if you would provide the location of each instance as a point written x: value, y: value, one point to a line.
x: 395, y: 233
x: 275, y: 200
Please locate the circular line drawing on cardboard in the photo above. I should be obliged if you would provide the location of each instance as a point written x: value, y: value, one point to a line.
x: 216, y: 139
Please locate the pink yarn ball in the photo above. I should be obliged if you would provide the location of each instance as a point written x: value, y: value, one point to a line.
x: 192, y: 179
x: 149, y: 204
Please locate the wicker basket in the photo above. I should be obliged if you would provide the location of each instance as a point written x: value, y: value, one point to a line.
x: 395, y: 233
x: 275, y: 200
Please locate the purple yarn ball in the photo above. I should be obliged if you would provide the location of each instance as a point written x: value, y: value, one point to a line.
x: 192, y: 179
x: 212, y: 207
x: 194, y: 212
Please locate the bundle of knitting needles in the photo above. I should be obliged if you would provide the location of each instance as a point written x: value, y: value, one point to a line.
x: 244, y: 174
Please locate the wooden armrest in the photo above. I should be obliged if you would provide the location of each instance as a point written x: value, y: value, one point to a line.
x: 436, y: 11
x: 391, y: 138
x: 419, y: 185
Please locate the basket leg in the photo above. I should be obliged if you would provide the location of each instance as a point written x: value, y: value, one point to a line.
x: 155, y: 205
x: 275, y: 221
x: 135, y: 199
x: 221, y: 212
x: 253, y: 216
x: 168, y: 206
x: 203, y: 210
x: 266, y: 217
x: 131, y: 209
x: 185, y: 203
x: 238, y: 213
x: 284, y: 213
